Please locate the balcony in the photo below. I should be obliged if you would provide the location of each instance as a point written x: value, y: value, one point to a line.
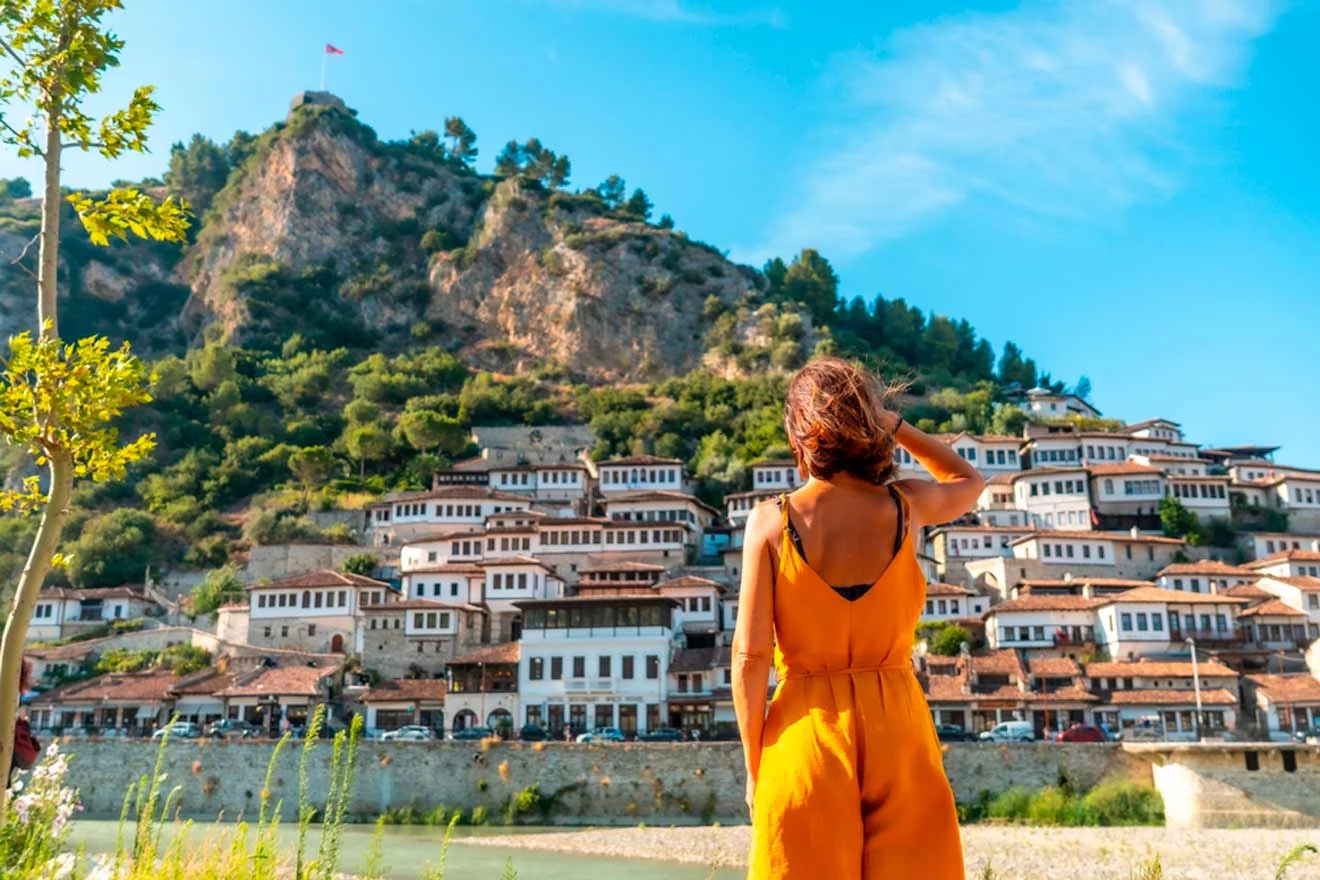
x: 1207, y: 636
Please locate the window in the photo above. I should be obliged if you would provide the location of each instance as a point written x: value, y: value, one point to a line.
x: 627, y: 666
x: 1125, y: 622
x: 603, y: 666
x: 556, y: 668
x: 536, y: 668
x: 1157, y: 622
x: 1142, y: 624
x: 311, y: 629
x: 579, y: 667
x: 652, y: 666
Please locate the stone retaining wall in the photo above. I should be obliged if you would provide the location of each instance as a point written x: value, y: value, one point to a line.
x: 589, y: 784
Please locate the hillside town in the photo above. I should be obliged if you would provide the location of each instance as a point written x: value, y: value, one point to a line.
x: 535, y: 591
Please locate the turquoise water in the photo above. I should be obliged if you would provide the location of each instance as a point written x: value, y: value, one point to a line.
x: 408, y: 851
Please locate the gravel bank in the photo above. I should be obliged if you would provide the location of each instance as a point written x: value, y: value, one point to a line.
x: 1015, y: 853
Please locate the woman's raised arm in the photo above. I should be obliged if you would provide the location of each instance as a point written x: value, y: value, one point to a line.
x: 957, y: 485
x: 753, y: 636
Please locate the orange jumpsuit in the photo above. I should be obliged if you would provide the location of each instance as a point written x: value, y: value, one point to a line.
x: 851, y: 782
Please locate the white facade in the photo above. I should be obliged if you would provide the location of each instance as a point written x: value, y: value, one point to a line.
x: 1053, y: 451
x: 1302, y: 593
x: 1044, y: 404
x: 642, y: 473
x: 1042, y: 624
x: 1066, y: 549
x: 1103, y: 448
x: 595, y: 663
x: 1127, y: 484
x: 1173, y: 465
x: 951, y: 602
x: 1268, y: 543
x: 775, y: 476
x: 1054, y: 498
x: 1148, y: 621
x: 1207, y: 497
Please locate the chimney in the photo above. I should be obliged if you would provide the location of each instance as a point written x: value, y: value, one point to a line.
x: 1067, y: 577
x: 1135, y: 532
x: 1088, y: 590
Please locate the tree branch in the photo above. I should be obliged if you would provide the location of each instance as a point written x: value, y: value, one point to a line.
x: 19, y: 60
x: 19, y: 138
x: 17, y: 261
x: 91, y: 145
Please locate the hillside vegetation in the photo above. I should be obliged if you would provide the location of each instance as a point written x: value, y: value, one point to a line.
x: 350, y: 307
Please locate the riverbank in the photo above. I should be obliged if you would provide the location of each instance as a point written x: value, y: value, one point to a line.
x: 1015, y: 853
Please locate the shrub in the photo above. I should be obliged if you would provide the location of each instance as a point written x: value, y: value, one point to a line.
x: 1012, y: 805
x: 1122, y: 803
x: 1051, y: 806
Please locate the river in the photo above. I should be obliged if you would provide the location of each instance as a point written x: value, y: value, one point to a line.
x: 408, y: 851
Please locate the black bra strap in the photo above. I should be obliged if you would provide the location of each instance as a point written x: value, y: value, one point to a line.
x: 898, y: 535
x: 782, y: 500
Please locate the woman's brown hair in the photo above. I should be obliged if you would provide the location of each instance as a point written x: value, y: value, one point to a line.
x: 834, y: 419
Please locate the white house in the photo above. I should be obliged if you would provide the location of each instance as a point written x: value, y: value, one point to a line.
x: 1043, y: 624
x: 738, y: 505
x: 595, y: 662
x: 509, y: 582
x: 1131, y: 554
x: 1127, y: 488
x: 1205, y: 496
x: 640, y: 473
x: 1206, y: 576
x: 775, y: 476
x: 1052, y: 451
x: 1264, y: 544
x: 955, y: 544
x: 316, y: 611
x: 1101, y: 448
x: 1160, y: 429
x: 1287, y: 563
x: 403, y: 517
x: 697, y: 603
x: 952, y: 602
x: 1301, y: 593
x: 61, y: 611
x: 1148, y: 621
x: 662, y: 506
x: 1050, y: 405
x: 1173, y: 465
x: 1284, y: 704
x: 1054, y: 497
x: 1131, y: 691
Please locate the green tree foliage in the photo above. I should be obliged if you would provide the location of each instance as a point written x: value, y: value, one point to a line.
x: 18, y: 188
x: 533, y: 161
x: 1014, y: 368
x: 949, y: 640
x: 113, y: 549
x: 809, y: 280
x: 665, y: 222
x: 361, y: 563
x: 54, y: 57
x: 1083, y: 388
x: 1178, y: 521
x: 638, y: 206
x: 612, y: 191
x: 311, y: 466
x: 429, y: 431
x: 366, y: 443
x: 197, y: 171
x: 179, y: 659
x: 460, y: 142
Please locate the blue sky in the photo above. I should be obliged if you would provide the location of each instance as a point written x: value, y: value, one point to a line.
x: 1127, y: 188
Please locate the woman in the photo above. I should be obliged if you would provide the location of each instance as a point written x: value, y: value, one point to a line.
x: 26, y: 748
x: 844, y: 775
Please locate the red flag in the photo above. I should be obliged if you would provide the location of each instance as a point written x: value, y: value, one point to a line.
x: 331, y: 49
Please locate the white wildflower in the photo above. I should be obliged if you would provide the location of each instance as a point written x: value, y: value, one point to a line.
x: 61, y: 867
x: 104, y: 869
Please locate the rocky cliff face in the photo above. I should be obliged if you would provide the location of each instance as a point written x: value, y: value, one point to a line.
x: 329, y: 232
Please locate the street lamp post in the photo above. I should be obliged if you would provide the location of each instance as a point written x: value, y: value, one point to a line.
x: 1196, y: 685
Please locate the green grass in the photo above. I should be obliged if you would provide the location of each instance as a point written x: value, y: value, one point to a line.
x: 1108, y: 804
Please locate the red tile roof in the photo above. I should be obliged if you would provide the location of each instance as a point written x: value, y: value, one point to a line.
x: 936, y: 588
x: 1126, y: 467
x: 116, y: 687
x: 460, y: 492
x: 506, y: 653
x: 1046, y: 603
x: 690, y: 581
x: 1305, y: 584
x: 291, y: 680
x: 1053, y: 667
x: 599, y: 567
x: 1275, y: 607
x: 326, y: 577
x: 1158, y: 669
x: 1295, y: 688
x: 1207, y: 567
x: 1284, y: 556
x: 1246, y: 591
x: 1001, y: 662
x: 639, y: 459
x: 407, y: 690
x: 512, y: 560
x: 1120, y: 537
x: 1167, y: 697
x: 1175, y: 597
x: 1127, y: 583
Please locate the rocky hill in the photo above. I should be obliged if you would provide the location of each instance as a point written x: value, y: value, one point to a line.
x: 326, y: 230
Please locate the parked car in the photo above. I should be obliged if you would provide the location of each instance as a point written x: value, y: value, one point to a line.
x: 533, y: 733
x: 954, y: 733
x: 1147, y: 728
x: 661, y: 734
x: 1010, y: 731
x: 232, y: 728
x: 1082, y: 733
x: 179, y: 730
x: 602, y: 734
x: 409, y: 733
x: 471, y: 733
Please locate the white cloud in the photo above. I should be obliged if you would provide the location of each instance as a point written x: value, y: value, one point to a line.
x: 678, y: 11
x: 1065, y: 109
